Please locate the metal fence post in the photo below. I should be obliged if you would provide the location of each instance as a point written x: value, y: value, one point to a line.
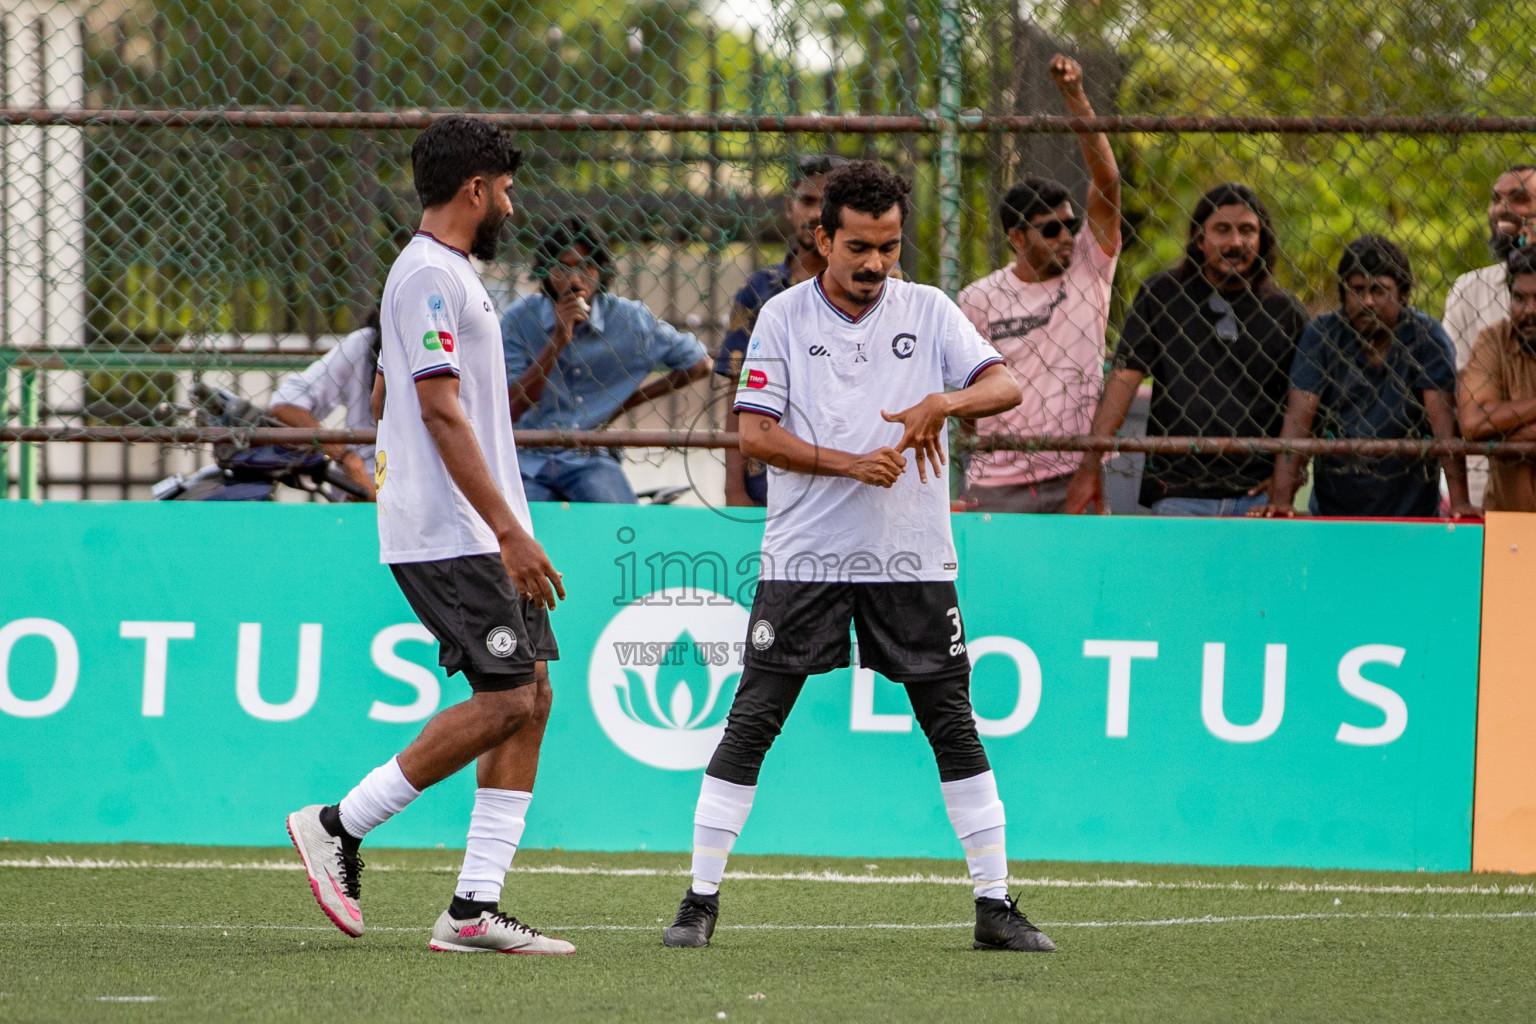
x: 949, y: 148
x: 6, y: 358
x: 31, y: 391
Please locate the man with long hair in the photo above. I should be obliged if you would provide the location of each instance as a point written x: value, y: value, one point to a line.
x: 1216, y: 334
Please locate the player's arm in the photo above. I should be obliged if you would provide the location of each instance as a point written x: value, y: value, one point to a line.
x: 1103, y: 172
x: 1300, y: 411
x: 993, y: 391
x: 376, y: 399
x: 523, y: 557
x: 762, y: 438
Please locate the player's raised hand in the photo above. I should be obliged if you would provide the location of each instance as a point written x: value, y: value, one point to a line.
x: 880, y: 467
x: 924, y: 433
x: 531, y: 571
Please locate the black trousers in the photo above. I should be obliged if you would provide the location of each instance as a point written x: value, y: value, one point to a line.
x: 764, y: 700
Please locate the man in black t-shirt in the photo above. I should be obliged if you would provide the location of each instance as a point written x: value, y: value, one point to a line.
x: 1216, y: 335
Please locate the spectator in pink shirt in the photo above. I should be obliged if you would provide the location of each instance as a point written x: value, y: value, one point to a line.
x: 1046, y: 314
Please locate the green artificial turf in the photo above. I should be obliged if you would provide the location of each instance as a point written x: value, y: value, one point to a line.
x: 217, y: 934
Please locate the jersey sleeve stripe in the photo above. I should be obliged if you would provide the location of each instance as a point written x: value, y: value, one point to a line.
x: 749, y: 407
x: 994, y: 361
x: 443, y: 370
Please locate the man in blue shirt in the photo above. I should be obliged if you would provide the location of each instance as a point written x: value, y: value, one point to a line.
x: 746, y: 480
x: 1377, y: 369
x: 576, y: 357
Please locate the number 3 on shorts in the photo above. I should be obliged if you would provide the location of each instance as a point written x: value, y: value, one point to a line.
x: 955, y: 646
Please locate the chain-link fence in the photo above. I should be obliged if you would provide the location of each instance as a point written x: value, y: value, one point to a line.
x: 199, y: 199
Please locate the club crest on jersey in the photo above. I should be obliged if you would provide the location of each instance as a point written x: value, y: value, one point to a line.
x: 754, y: 379
x: 762, y: 635
x: 432, y: 341
x: 904, y: 345
x: 501, y: 642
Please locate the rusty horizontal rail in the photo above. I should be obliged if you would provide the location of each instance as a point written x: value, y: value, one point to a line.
x: 724, y: 439
x: 849, y: 124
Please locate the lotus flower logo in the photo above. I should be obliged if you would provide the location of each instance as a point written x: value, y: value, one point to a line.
x: 662, y: 677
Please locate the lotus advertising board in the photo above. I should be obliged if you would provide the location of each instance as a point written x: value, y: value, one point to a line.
x: 1221, y: 692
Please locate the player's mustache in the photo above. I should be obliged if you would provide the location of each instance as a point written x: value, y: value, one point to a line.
x: 868, y: 277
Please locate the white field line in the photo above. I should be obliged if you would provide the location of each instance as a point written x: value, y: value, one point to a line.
x: 1428, y: 889
x: 1157, y: 923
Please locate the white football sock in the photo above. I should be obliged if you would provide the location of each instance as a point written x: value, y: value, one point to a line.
x: 381, y: 795
x: 978, y: 818
x: 495, y: 829
x: 717, y: 821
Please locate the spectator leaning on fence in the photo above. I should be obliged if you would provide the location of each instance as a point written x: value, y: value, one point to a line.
x: 1216, y: 335
x: 344, y: 376
x: 1375, y: 369
x: 1046, y: 313
x: 576, y: 356
x: 1480, y: 299
x: 1498, y: 388
x: 746, y: 480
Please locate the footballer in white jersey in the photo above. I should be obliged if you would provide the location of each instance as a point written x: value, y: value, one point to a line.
x: 844, y: 390
x: 455, y: 531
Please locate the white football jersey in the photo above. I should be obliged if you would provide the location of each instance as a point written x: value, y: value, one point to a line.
x: 826, y: 376
x: 437, y: 319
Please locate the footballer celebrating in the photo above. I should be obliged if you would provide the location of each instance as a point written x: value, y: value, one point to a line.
x: 844, y: 374
x: 455, y: 531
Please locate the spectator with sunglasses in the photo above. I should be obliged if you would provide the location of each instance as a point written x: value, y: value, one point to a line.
x: 1217, y: 336
x: 1046, y: 314
x: 746, y: 480
x: 577, y: 358
x: 1375, y: 369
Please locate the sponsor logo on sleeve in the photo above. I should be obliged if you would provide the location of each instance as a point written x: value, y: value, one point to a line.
x: 433, y: 341
x: 754, y: 379
x: 437, y: 307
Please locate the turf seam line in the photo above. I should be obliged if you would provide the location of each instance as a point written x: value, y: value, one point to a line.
x: 1514, y: 889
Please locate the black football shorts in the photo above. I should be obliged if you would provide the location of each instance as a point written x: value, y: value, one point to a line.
x: 909, y: 632
x: 484, y: 627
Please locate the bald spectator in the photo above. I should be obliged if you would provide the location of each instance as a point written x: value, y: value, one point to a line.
x: 1498, y: 389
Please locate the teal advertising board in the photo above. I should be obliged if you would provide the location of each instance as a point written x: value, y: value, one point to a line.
x: 1218, y: 692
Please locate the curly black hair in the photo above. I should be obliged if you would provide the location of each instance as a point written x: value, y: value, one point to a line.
x: 865, y: 186
x: 454, y: 149
x: 1375, y: 256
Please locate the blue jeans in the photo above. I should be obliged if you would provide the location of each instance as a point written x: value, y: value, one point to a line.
x: 575, y: 476
x: 1208, y: 506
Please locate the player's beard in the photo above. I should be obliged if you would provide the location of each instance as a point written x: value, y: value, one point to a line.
x: 487, y: 241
